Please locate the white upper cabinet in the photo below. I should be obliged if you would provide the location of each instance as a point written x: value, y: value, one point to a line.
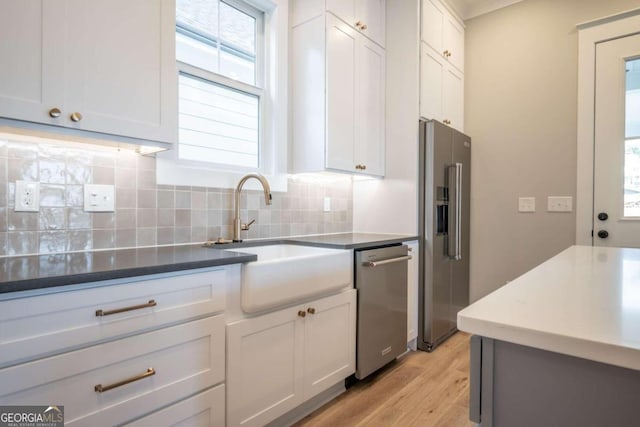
x: 338, y: 98
x: 441, y: 65
x: 367, y: 16
x: 102, y: 66
x: 442, y: 31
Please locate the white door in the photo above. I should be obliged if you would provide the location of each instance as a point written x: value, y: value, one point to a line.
x: 616, y: 199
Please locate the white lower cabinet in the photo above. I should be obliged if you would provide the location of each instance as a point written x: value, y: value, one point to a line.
x: 118, y: 381
x: 279, y: 360
x: 202, y: 410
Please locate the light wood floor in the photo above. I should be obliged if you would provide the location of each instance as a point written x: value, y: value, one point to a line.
x: 421, y: 389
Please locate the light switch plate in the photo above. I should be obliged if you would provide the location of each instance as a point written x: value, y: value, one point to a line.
x: 526, y: 204
x: 559, y: 204
x: 99, y: 198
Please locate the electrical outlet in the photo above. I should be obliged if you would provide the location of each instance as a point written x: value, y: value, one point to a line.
x: 559, y: 204
x: 27, y: 196
x: 526, y: 204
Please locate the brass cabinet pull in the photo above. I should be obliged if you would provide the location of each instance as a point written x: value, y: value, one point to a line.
x: 311, y: 310
x: 75, y: 117
x: 99, y: 388
x: 55, y: 113
x: 302, y: 313
x: 151, y: 303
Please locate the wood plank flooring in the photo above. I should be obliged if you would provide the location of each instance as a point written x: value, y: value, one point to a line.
x: 421, y: 389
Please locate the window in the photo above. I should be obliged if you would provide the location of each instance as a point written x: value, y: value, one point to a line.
x: 219, y: 54
x: 632, y: 139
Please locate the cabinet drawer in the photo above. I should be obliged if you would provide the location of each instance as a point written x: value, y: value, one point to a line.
x: 47, y: 324
x: 186, y: 358
x: 203, y: 410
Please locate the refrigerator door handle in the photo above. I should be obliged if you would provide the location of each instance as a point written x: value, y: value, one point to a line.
x: 455, y: 205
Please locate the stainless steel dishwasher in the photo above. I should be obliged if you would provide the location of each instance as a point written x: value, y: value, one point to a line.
x: 381, y: 280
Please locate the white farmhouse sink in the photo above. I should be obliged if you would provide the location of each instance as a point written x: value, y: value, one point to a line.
x: 287, y: 273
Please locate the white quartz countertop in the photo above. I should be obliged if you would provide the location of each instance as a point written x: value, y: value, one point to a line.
x: 583, y: 302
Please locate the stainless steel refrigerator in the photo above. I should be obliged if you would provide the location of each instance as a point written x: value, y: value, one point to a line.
x: 444, y: 197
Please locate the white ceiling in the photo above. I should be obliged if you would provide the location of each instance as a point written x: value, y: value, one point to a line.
x: 468, y: 9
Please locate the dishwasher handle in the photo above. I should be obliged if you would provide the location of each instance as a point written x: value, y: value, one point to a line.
x: 373, y: 264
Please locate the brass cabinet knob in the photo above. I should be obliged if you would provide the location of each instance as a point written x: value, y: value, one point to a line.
x: 311, y: 310
x: 75, y: 117
x: 445, y: 53
x: 302, y: 313
x: 55, y: 113
x: 359, y: 24
x: 363, y: 167
x: 446, y: 122
x: 363, y: 27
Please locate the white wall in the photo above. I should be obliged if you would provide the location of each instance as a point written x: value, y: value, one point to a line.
x: 520, y: 110
x: 390, y: 205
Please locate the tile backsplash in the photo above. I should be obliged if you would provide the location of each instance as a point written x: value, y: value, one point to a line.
x: 146, y: 214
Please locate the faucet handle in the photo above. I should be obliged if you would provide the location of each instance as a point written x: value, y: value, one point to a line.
x: 245, y: 227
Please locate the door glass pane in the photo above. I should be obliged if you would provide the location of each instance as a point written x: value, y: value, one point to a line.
x: 632, y: 140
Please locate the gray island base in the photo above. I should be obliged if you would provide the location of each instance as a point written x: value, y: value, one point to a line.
x: 515, y: 385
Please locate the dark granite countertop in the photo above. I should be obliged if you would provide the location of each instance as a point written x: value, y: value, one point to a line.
x: 44, y: 271
x: 23, y: 273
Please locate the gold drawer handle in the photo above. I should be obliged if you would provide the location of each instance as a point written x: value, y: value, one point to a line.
x: 102, y: 388
x: 151, y: 303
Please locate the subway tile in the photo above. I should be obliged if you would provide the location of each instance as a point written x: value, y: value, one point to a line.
x: 165, y: 236
x: 147, y: 199
x: 22, y: 242
x: 52, y: 195
x: 214, y: 200
x: 126, y: 159
x: 23, y: 170
x: 52, y: 241
x: 146, y: 236
x: 166, y: 199
x: 147, y: 179
x: 198, y: 200
x: 78, y: 172
x: 52, y: 171
x: 125, y: 219
x: 52, y: 219
x: 104, y: 175
x: 125, y: 178
x: 103, y: 239
x: 214, y: 232
x: 147, y: 218
x: 198, y: 234
x: 126, y: 238
x: 3, y: 244
x: 183, y: 217
x: 146, y: 163
x: 103, y: 220
x: 22, y: 221
x: 183, y: 199
x: 80, y: 240
x: 166, y: 187
x: 182, y: 235
x: 214, y: 218
x: 125, y: 198
x: 22, y: 150
x: 78, y: 219
x: 198, y: 218
x: 166, y: 217
x: 74, y: 196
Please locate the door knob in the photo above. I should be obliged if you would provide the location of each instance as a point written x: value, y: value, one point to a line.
x: 603, y: 234
x: 602, y: 216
